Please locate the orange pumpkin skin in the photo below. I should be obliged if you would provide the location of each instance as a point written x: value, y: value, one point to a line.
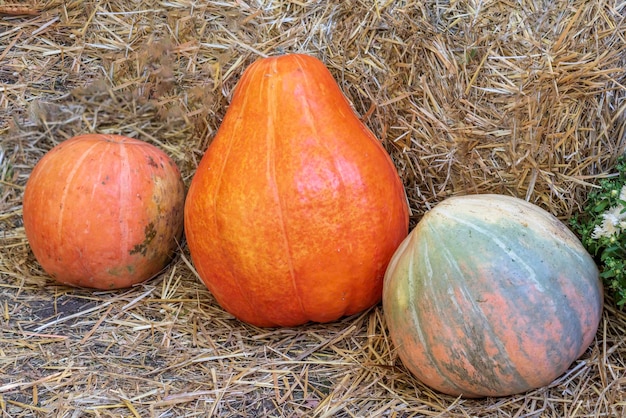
x: 103, y: 211
x: 490, y: 295
x: 295, y: 208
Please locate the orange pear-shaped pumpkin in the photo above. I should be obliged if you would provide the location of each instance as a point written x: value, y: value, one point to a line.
x: 295, y: 209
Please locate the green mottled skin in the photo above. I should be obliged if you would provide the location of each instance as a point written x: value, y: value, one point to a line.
x: 491, y: 296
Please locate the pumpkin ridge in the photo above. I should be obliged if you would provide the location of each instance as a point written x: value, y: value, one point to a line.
x: 68, y: 187
x: 416, y: 315
x: 271, y: 166
x: 125, y: 201
x: 231, y: 142
x: 96, y: 184
x: 417, y: 319
x: 476, y: 338
x: 345, y: 183
x: 312, y: 123
x: 485, y: 366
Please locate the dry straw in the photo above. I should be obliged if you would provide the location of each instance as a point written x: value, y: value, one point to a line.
x: 520, y: 97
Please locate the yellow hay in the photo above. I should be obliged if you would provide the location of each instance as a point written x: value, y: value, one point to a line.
x: 524, y: 97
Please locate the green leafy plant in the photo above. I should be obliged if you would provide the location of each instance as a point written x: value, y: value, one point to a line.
x: 602, y: 228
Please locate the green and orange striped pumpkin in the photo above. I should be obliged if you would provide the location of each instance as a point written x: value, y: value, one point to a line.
x: 490, y: 295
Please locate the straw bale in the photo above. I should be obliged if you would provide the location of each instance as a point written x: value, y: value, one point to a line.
x: 522, y: 97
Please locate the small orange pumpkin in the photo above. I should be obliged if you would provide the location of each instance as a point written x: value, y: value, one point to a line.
x: 103, y: 211
x: 296, y: 208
